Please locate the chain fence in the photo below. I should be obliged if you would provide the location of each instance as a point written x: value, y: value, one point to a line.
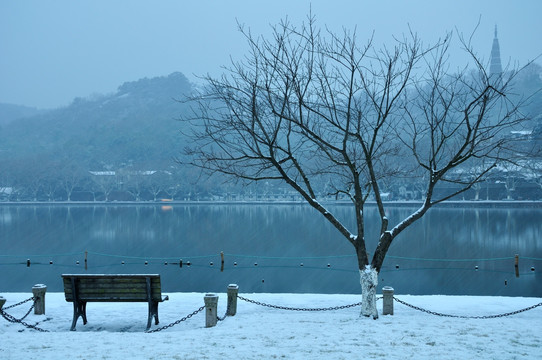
x: 177, y: 322
x: 396, y: 299
x: 19, y: 303
x: 228, y: 309
x: 298, y: 308
x: 12, y: 319
x: 21, y: 321
x: 222, y: 318
x: 466, y: 316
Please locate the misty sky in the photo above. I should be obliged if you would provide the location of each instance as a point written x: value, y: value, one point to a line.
x: 54, y: 50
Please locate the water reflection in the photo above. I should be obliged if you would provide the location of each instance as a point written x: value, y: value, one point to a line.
x: 272, y: 248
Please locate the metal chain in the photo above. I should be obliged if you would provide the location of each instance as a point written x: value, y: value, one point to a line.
x: 223, y: 317
x: 27, y: 313
x: 299, y: 309
x: 227, y: 311
x: 177, y: 322
x: 12, y: 319
x: 465, y: 316
x: 19, y: 303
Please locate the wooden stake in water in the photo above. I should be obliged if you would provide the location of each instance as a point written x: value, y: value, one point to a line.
x: 516, y: 265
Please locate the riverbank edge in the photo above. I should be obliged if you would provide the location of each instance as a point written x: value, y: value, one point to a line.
x: 414, y: 204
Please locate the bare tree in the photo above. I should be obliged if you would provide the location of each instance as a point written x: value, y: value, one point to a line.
x: 105, y: 182
x: 71, y: 176
x: 314, y: 109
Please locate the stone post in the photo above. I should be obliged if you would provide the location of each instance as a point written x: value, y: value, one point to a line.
x: 211, y: 302
x: 387, y: 300
x: 233, y: 289
x: 2, y: 302
x: 39, y: 291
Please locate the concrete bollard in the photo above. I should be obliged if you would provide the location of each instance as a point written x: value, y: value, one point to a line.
x: 39, y: 291
x: 2, y: 302
x: 211, y: 302
x: 233, y: 290
x: 387, y: 300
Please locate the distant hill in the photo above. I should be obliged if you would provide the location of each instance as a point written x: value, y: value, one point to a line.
x: 10, y: 112
x: 134, y: 125
x: 104, y: 147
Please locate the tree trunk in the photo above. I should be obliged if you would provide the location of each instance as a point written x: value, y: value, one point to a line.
x: 368, y: 279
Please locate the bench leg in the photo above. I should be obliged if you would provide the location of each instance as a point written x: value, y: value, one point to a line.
x: 79, y: 309
x: 153, y: 312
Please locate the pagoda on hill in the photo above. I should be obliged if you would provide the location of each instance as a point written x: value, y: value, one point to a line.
x: 495, y: 66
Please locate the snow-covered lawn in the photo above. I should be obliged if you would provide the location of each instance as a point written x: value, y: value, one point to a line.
x: 116, y: 330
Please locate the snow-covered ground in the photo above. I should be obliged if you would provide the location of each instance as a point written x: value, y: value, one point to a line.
x: 116, y: 330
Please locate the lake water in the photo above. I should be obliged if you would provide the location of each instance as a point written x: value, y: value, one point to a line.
x: 270, y: 248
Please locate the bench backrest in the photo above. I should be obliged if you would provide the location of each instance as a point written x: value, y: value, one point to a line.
x: 111, y: 287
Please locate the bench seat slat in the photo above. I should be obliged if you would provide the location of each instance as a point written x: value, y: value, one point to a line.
x: 112, y: 299
x: 112, y: 288
x: 104, y: 287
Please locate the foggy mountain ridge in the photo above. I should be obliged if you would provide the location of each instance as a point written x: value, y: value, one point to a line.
x: 140, y: 115
x: 11, y: 112
x: 137, y: 123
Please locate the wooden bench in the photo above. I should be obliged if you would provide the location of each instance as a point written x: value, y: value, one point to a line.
x: 83, y: 288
